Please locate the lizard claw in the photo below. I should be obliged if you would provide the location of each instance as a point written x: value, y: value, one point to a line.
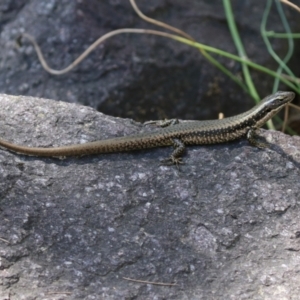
x: 172, y: 160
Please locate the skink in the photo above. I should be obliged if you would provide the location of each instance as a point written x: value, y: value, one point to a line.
x: 176, y: 135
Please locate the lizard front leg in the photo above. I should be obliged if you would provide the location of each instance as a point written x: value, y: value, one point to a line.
x: 252, y: 139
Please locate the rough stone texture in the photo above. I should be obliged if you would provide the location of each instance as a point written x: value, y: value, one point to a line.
x: 141, y: 77
x: 224, y: 226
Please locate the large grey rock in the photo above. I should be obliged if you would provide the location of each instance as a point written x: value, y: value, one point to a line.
x: 224, y: 226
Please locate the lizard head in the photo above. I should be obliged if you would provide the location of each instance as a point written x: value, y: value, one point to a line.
x: 277, y: 100
x: 271, y: 105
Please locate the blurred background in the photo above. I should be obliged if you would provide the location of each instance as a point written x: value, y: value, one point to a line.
x: 138, y: 76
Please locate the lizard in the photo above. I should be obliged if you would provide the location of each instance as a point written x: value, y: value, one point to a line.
x: 177, y: 134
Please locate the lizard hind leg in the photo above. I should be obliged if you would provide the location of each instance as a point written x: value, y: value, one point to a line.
x: 175, y: 158
x: 163, y: 123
